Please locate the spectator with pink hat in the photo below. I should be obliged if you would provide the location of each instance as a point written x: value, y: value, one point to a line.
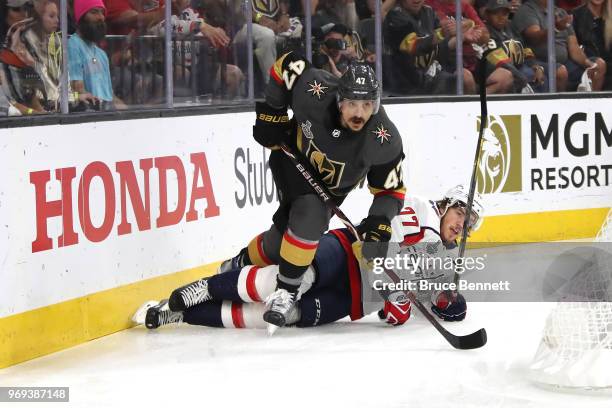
x: 88, y: 64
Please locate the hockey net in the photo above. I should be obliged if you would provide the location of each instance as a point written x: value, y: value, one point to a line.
x: 576, y: 347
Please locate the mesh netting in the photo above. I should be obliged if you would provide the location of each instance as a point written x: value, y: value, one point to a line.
x: 576, y: 348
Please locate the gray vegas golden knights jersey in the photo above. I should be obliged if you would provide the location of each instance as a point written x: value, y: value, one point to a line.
x: 343, y: 158
x: 416, y: 234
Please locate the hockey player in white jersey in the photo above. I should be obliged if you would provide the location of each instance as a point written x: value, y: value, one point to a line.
x: 338, y: 284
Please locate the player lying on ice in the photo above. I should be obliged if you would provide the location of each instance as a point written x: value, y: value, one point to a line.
x: 336, y: 285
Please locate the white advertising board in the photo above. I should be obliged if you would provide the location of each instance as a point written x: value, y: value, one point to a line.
x: 88, y: 207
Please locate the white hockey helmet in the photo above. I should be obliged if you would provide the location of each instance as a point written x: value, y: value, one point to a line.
x: 459, y: 195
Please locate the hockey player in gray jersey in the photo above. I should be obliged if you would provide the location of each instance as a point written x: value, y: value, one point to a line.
x: 342, y: 132
x: 337, y: 284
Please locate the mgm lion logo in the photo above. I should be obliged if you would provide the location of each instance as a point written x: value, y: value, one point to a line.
x: 499, y: 164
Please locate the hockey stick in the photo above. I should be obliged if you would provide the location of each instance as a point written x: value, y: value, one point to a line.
x: 470, y: 341
x: 484, y: 116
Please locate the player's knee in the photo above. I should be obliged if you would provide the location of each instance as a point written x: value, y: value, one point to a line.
x: 309, y: 217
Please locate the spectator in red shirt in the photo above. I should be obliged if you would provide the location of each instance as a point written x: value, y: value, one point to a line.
x: 123, y: 17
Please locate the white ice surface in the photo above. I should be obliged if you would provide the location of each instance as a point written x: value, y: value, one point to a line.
x: 346, y: 364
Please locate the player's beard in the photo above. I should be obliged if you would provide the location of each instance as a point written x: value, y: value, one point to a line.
x: 92, y: 32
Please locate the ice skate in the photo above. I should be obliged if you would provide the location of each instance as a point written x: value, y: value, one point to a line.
x: 278, y: 308
x: 189, y: 295
x: 156, y: 315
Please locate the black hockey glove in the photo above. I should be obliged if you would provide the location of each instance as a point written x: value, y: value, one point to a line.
x: 271, y: 126
x: 449, y: 305
x: 375, y: 230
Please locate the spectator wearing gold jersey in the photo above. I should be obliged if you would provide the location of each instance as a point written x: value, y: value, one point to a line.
x: 506, y: 49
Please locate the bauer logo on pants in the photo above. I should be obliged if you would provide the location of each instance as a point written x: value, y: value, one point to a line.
x: 499, y: 164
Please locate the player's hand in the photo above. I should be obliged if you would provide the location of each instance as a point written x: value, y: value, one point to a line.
x: 271, y: 126
x: 375, y: 231
x: 395, y: 312
x: 449, y: 305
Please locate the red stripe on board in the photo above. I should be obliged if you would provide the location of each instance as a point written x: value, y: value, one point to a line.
x: 237, y: 315
x: 250, y: 284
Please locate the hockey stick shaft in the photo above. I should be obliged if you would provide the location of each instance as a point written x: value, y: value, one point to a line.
x: 484, y: 116
x: 474, y: 340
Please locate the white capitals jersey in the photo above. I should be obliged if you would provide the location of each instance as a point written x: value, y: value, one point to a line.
x: 422, y: 254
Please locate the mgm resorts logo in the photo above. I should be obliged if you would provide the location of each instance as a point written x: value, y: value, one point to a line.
x: 499, y: 168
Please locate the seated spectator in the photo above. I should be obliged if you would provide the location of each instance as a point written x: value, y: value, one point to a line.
x: 37, y: 43
x: 87, y: 63
x: 531, y: 22
x: 508, y: 51
x: 186, y: 21
x: 337, y: 12
x: 593, y: 26
x: 264, y: 38
x: 13, y: 11
x: 338, y: 47
x: 417, y: 44
x: 476, y: 35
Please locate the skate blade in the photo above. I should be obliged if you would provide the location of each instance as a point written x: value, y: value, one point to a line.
x: 139, y: 317
x: 271, y: 329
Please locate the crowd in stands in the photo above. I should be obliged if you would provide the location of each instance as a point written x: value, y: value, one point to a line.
x: 116, y: 48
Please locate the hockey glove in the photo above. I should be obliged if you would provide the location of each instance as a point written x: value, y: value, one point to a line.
x: 449, y: 305
x: 396, y: 312
x: 375, y: 230
x: 271, y: 126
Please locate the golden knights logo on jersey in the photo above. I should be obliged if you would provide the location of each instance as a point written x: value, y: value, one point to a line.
x: 515, y: 50
x: 268, y: 8
x: 425, y: 61
x: 330, y: 170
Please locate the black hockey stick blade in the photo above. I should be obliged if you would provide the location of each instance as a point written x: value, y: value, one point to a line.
x: 471, y: 341
x: 467, y: 342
